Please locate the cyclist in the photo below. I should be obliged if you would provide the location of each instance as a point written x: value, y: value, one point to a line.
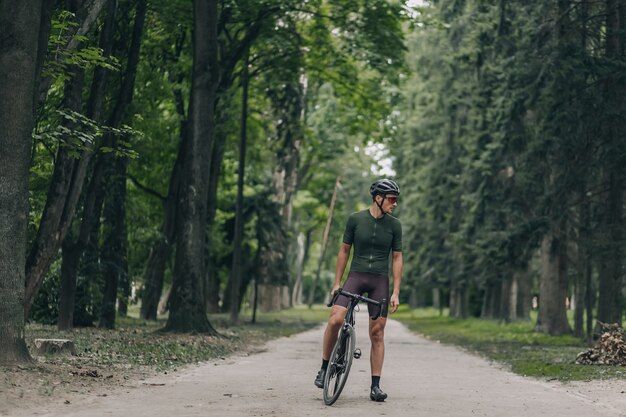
x: 374, y: 234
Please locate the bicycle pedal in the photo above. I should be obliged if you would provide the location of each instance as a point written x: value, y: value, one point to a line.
x: 357, y: 353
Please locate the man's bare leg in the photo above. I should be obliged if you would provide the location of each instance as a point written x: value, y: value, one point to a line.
x: 377, y: 356
x: 377, y: 337
x: 337, y: 314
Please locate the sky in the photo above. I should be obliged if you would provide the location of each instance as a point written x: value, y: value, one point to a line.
x: 380, y: 153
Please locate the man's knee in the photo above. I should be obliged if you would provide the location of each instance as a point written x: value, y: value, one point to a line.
x: 377, y: 332
x: 377, y: 336
x: 336, y: 318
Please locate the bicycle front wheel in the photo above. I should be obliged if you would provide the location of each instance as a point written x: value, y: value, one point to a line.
x: 339, y: 365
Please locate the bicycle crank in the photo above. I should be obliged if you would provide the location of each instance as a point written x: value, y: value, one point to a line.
x: 357, y: 353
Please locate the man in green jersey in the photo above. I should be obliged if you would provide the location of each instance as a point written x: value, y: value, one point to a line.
x: 374, y: 233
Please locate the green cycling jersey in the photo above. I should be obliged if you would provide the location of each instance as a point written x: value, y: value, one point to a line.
x: 372, y: 239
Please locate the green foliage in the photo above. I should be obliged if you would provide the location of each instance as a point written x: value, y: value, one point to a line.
x: 62, y: 58
x: 340, y: 59
x: 78, y: 133
x: 504, y: 122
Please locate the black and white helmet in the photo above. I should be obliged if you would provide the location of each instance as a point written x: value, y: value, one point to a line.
x: 384, y: 186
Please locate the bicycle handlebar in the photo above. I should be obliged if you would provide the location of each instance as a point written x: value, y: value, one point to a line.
x: 382, y: 304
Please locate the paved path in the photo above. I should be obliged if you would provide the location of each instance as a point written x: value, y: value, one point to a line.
x: 422, y: 378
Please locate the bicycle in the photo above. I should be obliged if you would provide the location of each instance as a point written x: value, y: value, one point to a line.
x: 345, y: 349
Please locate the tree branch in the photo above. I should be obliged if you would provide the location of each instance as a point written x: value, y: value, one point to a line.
x: 146, y: 189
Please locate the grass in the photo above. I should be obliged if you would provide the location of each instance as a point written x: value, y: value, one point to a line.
x: 137, y: 342
x: 515, y: 345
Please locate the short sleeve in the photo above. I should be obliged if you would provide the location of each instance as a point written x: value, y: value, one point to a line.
x: 348, y: 234
x: 396, y: 243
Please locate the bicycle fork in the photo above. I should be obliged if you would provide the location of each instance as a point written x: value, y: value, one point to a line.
x: 357, y: 352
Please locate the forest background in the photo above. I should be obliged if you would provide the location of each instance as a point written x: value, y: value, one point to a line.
x: 205, y: 155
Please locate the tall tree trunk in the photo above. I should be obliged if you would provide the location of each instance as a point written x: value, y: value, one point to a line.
x: 436, y: 294
x: 611, y: 274
x: 229, y: 58
x: 288, y: 104
x: 552, y: 317
x: 113, y: 254
x: 582, y: 264
x: 459, y: 301
x: 492, y: 301
x: 579, y: 297
x: 65, y: 187
x: 239, y: 221
x: 304, y: 244
x: 71, y: 254
x: 513, y: 297
x: 505, y: 300
x: 67, y: 292
x: 610, y: 288
x: 154, y: 276
x: 124, y: 290
x: 329, y: 222
x: 162, y: 247
x: 94, y: 194
x: 20, y: 23
x: 589, y: 300
x: 524, y: 296
x: 246, y: 277
x: 45, y: 25
x: 86, y: 308
x: 212, y: 278
x: 187, y: 307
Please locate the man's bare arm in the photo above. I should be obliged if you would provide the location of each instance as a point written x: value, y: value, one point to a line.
x: 396, y: 269
x: 342, y: 261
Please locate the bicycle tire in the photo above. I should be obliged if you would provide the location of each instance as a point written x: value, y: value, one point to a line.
x: 339, y: 365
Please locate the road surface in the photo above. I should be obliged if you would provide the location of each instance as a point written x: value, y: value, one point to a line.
x: 422, y: 378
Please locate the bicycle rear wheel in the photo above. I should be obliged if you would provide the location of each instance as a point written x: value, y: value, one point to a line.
x: 339, y: 365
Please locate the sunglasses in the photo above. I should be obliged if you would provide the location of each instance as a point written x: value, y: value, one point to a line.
x: 393, y: 199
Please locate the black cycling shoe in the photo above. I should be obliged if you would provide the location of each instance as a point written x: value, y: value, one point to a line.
x: 376, y: 394
x: 319, y: 379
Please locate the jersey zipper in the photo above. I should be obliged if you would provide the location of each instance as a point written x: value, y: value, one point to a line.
x: 372, y: 246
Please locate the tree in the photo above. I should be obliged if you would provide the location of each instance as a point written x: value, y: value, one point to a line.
x: 187, y: 307
x: 537, y: 173
x: 236, y: 270
x: 68, y: 177
x: 75, y: 242
x: 20, y: 28
x: 114, y: 250
x: 610, y: 304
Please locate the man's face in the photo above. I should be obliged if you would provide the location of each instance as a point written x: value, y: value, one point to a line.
x: 389, y: 203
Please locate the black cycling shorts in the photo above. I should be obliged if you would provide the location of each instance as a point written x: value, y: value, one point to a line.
x: 375, y: 285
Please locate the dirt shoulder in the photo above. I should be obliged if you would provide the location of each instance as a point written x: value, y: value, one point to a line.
x: 425, y: 377
x: 108, y: 362
x: 26, y: 387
